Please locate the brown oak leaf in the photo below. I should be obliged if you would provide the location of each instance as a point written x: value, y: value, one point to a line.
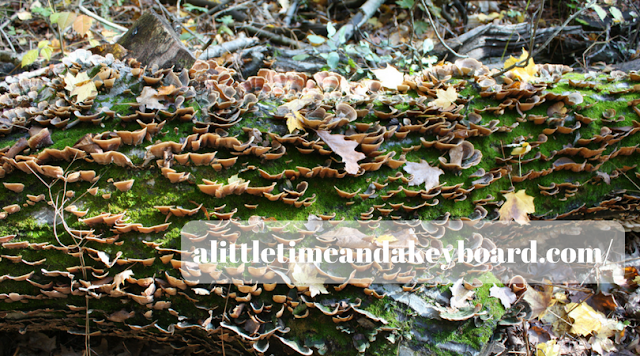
x: 517, y: 206
x: 423, y: 173
x: 344, y: 148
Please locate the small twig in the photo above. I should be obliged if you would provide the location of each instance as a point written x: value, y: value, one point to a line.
x: 571, y: 18
x: 433, y: 25
x: 524, y: 63
x: 241, y: 5
x: 8, y: 40
x: 525, y: 328
x: 101, y: 19
x: 226, y: 302
x: 172, y: 18
x: 270, y: 35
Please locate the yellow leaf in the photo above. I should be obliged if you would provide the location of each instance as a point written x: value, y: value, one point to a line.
x: 81, y: 86
x: 521, y: 150
x: 389, y: 77
x: 64, y: 19
x: 294, y: 121
x: 85, y: 91
x: 29, y: 57
x: 24, y: 15
x: 82, y: 24
x: 585, y: 319
x: 517, y: 206
x: 445, y: 98
x: 297, y: 104
x: 306, y: 275
x: 526, y: 73
x: 548, y: 348
x: 488, y: 18
x: 386, y: 237
x: 46, y: 52
x: 72, y: 81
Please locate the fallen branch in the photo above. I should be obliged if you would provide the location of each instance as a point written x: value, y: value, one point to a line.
x: 290, y: 12
x: 360, y: 18
x: 227, y: 47
x: 270, y: 35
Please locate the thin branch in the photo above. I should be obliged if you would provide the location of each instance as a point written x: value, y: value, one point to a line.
x: 270, y: 35
x: 524, y: 63
x: 290, y: 13
x: 433, y: 25
x: 101, y: 19
x: 172, y: 18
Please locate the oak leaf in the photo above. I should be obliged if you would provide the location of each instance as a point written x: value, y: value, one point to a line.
x: 294, y: 121
x: 526, y: 73
x: 517, y: 206
x: 445, y: 98
x: 149, y: 98
x: 82, y: 24
x: 549, y: 348
x: 423, y: 173
x: 389, y: 77
x: 80, y: 86
x: 307, y: 275
x: 344, y: 148
x: 539, y: 300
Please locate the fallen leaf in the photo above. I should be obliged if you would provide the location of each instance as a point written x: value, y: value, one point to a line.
x: 382, y: 238
x: 80, y: 86
x: 120, y: 316
x: 517, y: 206
x: 423, y: 173
x: 604, y: 176
x: 445, y: 98
x: 389, y: 77
x: 149, y: 98
x: 521, y: 150
x: 121, y: 277
x: 343, y: 148
x: 460, y: 295
x: 296, y: 104
x: 307, y: 275
x: 526, y: 73
x: 166, y: 90
x: 294, y: 121
x: 548, y: 348
x: 506, y: 296
x: 63, y: 19
x: 29, y: 57
x: 539, y: 300
x: 82, y: 24
x: 24, y: 15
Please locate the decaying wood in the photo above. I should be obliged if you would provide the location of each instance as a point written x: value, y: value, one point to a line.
x: 490, y: 40
x: 151, y: 40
